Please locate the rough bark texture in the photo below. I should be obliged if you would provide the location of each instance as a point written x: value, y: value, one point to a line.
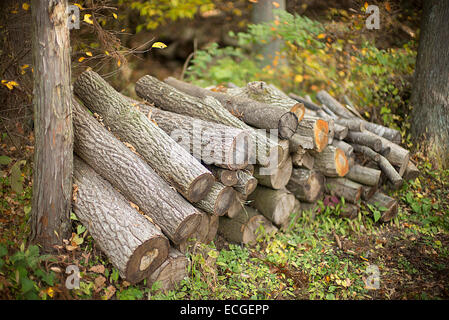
x: 207, y: 108
x: 364, y: 175
x: 171, y: 272
x: 364, y: 138
x: 246, y: 183
x: 212, y: 143
x: 306, y: 185
x: 235, y: 207
x: 228, y: 177
x: 316, y: 128
x: 275, y: 178
x: 275, y: 205
x: 303, y: 159
x: 53, y: 132
x: 332, y: 162
x: 381, y: 200
x: 430, y: 95
x: 218, y: 200
x: 342, y: 187
x: 336, y: 107
x: 411, y: 172
x: 133, y: 177
x: 132, y: 243
x: 254, y: 113
x: 173, y: 163
x: 308, y: 104
x: 298, y: 141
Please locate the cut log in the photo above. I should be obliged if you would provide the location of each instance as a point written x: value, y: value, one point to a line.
x: 213, y: 229
x: 293, y: 218
x: 390, y: 172
x: 411, y: 172
x: 227, y: 177
x: 346, y: 147
x: 235, y: 207
x: 275, y: 205
x: 207, y: 108
x: 275, y: 178
x: 285, y: 144
x: 211, y: 143
x: 246, y: 183
x: 316, y: 128
x: 352, y: 124
x: 336, y: 107
x: 303, y: 159
x: 249, y: 169
x: 206, y: 229
x: 218, y: 200
x: 331, y: 162
x: 133, y: 244
x: 390, y: 134
x: 364, y: 175
x: 132, y: 176
x: 245, y: 227
x: 340, y: 132
x: 366, y: 151
x: 365, y: 138
x: 252, y: 112
x: 159, y: 150
x: 368, y: 192
x: 298, y: 141
x: 171, y: 272
x: 308, y: 104
x: 387, y: 205
x: 341, y: 187
x: 306, y: 185
x: 349, y: 210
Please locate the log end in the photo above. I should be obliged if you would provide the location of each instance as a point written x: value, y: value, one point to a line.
x: 224, y: 201
x: 251, y: 229
x: 321, y: 134
x: 288, y: 123
x: 188, y: 226
x: 200, y: 187
x: 341, y: 162
x: 299, y: 110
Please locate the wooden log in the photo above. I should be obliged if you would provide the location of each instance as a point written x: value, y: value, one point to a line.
x: 218, y: 200
x: 390, y: 134
x: 411, y: 171
x: 341, y: 187
x: 293, y: 218
x: 308, y: 104
x: 352, y: 124
x: 364, y: 175
x: 298, y: 141
x: 368, y: 192
x: 213, y: 229
x: 245, y: 226
x: 316, y: 128
x: 171, y: 272
x: 336, y: 107
x: 366, y: 151
x: 306, y: 185
x: 249, y: 169
x: 275, y: 178
x: 132, y: 176
x: 132, y: 243
x: 331, y: 162
x: 349, y: 210
x: 174, y: 164
x: 340, y: 132
x: 207, y: 108
x: 235, y: 207
x: 365, y: 138
x: 275, y: 205
x: 346, y: 147
x: 246, y: 183
x: 303, y: 159
x: 227, y: 177
x: 206, y: 229
x: 285, y: 144
x: 211, y: 143
x: 252, y: 112
x: 387, y: 205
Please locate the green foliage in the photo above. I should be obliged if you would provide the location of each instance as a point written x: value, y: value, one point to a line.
x: 334, y: 57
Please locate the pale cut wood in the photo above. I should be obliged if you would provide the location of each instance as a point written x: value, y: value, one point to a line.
x: 245, y: 227
x: 293, y: 218
x: 207, y: 108
x: 171, y: 272
x: 132, y: 176
x: 202, y: 234
x: 285, y: 144
x: 303, y: 159
x: 365, y: 138
x: 306, y: 185
x: 331, y: 162
x: 275, y: 205
x: 173, y: 163
x: 336, y: 107
x: 213, y: 229
x: 227, y: 177
x: 252, y: 112
x: 341, y: 187
x: 235, y: 207
x: 211, y: 143
x: 134, y: 245
x: 316, y: 128
x: 346, y: 147
x: 364, y: 175
x: 246, y: 183
x: 387, y: 205
x: 218, y: 200
x: 298, y: 141
x: 275, y: 178
x: 249, y: 169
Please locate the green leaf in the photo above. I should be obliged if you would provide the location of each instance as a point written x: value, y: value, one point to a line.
x: 26, y: 284
x: 4, y: 160
x: 377, y: 216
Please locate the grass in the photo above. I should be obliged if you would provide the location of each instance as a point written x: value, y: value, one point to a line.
x: 318, y: 257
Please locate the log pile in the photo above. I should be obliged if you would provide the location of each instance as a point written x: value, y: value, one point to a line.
x: 154, y: 178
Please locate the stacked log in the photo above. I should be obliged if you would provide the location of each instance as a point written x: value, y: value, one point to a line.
x: 171, y: 172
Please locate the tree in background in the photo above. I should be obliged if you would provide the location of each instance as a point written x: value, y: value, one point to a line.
x: 53, y: 153
x: 430, y: 97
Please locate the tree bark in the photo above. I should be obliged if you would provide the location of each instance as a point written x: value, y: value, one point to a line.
x: 336, y: 107
x: 131, y: 175
x: 254, y: 113
x: 364, y: 175
x: 207, y: 108
x: 365, y: 138
x: 246, y: 183
x: 228, y: 177
x: 430, y: 95
x: 275, y: 178
x: 53, y: 132
x: 303, y: 159
x: 306, y: 185
x: 341, y: 187
x: 332, y: 162
x: 218, y: 200
x: 173, y: 163
x: 411, y: 172
x: 133, y: 244
x: 316, y: 128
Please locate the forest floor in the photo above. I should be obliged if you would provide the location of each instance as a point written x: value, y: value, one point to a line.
x: 325, y: 257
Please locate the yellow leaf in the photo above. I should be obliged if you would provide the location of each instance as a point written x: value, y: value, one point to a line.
x: 50, y: 292
x: 4, y: 81
x: 321, y: 36
x: 299, y: 78
x: 79, y: 6
x: 88, y: 19
x: 119, y: 63
x: 114, y: 15
x: 366, y: 5
x: 159, y: 45
x: 275, y: 4
x: 25, y: 6
x: 11, y: 84
x: 81, y: 59
x: 88, y: 53
x: 387, y: 6
x: 106, y: 53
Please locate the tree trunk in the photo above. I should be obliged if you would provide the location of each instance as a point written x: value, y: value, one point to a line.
x: 169, y: 98
x: 254, y: 113
x: 430, y: 95
x: 212, y: 143
x: 53, y: 132
x: 133, y: 244
x: 306, y: 185
x: 173, y: 163
x: 134, y: 178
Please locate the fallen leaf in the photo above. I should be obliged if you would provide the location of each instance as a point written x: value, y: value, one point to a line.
x: 109, y: 292
x: 159, y: 45
x: 98, y: 269
x: 88, y: 19
x: 25, y: 6
x: 99, y: 283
